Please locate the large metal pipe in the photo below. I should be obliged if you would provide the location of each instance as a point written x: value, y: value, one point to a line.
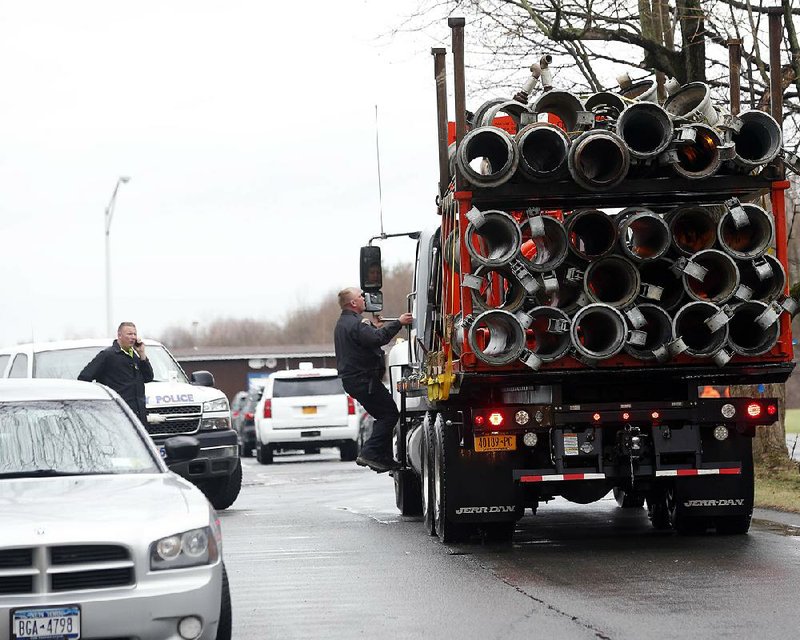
x: 658, y: 334
x: 646, y: 128
x: 606, y: 107
x: 698, y: 152
x: 566, y: 106
x: 692, y: 103
x: 598, y: 332
x: 544, y: 243
x: 496, y: 337
x: 758, y: 140
x: 642, y: 91
x: 543, y: 150
x: 721, y: 279
x: 692, y: 333
x: 440, y: 75
x: 498, y: 284
x: 613, y: 280
x: 745, y: 231
x: 598, y: 160
x: 659, y: 273
x: 692, y: 228
x: 547, y: 330
x: 510, y: 108
x: 746, y: 336
x: 643, y: 235
x: 591, y: 233
x: 493, y: 238
x: 567, y: 294
x: 764, y: 276
x: 487, y: 156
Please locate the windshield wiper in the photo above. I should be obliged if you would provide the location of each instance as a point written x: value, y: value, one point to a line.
x: 44, y: 473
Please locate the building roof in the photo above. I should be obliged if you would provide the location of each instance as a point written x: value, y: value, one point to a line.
x: 190, y: 354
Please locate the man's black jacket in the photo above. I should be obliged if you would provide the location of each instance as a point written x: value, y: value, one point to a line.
x: 358, y: 345
x: 125, y: 375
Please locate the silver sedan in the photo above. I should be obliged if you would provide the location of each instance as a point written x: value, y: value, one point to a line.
x: 98, y: 538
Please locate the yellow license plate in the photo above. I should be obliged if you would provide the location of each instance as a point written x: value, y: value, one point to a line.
x: 495, y: 443
x: 309, y: 409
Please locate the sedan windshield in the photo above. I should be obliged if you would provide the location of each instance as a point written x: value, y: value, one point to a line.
x: 70, y: 437
x: 68, y: 363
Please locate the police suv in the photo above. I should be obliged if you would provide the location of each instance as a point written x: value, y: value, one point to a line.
x: 176, y: 405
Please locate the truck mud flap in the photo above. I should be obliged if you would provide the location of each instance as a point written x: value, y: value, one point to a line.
x: 482, y: 488
x: 715, y: 495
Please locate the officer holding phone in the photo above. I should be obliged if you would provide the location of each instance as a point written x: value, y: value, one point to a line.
x: 123, y: 367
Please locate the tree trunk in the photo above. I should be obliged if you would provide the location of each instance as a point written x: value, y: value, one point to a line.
x: 693, y: 47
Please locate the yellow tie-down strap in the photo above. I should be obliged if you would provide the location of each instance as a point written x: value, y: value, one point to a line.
x: 439, y: 378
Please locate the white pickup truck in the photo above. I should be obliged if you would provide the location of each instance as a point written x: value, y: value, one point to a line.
x: 177, y: 404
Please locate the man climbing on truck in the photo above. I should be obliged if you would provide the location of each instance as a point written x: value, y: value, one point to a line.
x: 359, y: 360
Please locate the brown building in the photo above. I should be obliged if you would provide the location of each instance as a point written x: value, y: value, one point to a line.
x: 234, y: 368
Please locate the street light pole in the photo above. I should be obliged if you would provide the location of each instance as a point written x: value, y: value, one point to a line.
x: 108, y: 216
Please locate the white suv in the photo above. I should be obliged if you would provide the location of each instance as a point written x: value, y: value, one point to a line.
x: 306, y: 409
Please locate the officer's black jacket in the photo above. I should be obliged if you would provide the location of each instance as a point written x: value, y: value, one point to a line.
x: 125, y: 375
x: 358, y: 345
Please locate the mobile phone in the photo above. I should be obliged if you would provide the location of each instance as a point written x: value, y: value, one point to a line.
x: 138, y: 343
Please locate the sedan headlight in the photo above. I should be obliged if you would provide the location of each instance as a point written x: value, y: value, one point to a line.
x: 188, y: 549
x: 216, y: 405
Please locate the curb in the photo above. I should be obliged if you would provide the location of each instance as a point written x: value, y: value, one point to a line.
x: 779, y: 517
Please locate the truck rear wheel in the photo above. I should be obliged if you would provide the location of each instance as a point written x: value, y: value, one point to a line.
x: 628, y: 500
x: 426, y: 482
x: 348, y: 451
x: 264, y: 454
x: 446, y: 529
x: 222, y: 492
x: 407, y: 492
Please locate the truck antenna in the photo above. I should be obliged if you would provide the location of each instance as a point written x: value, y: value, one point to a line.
x: 378, y: 156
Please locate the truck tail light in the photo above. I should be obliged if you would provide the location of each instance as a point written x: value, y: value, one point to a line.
x: 351, y: 406
x: 479, y: 420
x: 754, y: 410
x: 495, y: 419
x: 772, y: 409
x: 268, y: 408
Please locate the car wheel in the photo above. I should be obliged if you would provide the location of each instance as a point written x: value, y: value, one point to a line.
x: 225, y: 624
x: 264, y: 454
x: 348, y: 451
x: 222, y: 492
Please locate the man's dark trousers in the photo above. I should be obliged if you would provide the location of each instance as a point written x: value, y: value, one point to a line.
x: 378, y: 402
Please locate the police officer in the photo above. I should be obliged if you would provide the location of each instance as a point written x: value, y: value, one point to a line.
x: 359, y: 360
x: 123, y: 367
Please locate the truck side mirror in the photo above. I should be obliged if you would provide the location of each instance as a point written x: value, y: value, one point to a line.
x: 202, y: 378
x: 373, y: 301
x: 370, y: 269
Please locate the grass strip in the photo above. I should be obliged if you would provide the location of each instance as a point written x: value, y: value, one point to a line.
x: 792, y: 421
x: 778, y: 489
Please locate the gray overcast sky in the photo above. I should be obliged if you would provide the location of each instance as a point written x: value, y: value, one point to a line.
x: 248, y: 130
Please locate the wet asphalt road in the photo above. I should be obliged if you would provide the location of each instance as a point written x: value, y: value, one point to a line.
x: 315, y: 548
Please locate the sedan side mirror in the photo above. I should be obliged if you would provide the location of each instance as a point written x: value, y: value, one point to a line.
x: 202, y: 378
x: 181, y: 448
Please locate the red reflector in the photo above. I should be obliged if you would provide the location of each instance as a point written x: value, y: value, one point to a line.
x: 772, y: 409
x: 479, y: 420
x: 496, y: 419
x: 655, y: 415
x: 754, y: 410
x: 268, y: 408
x: 596, y: 417
x: 351, y: 406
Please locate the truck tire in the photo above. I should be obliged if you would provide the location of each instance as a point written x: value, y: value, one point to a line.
x: 407, y: 492
x: 426, y: 481
x: 628, y: 500
x: 658, y: 512
x: 222, y: 492
x: 683, y: 524
x: 225, y: 624
x: 447, y: 530
x: 264, y: 454
x: 348, y: 451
